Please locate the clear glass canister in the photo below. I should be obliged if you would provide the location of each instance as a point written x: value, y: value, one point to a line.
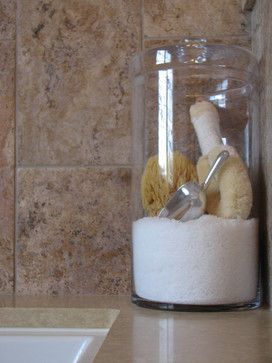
x: 195, y: 248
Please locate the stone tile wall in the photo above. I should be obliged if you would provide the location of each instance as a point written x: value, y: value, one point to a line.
x: 70, y: 210
x: 262, y: 47
x: 7, y: 142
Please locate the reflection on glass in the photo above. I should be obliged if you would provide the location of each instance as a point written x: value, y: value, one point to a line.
x: 222, y: 86
x: 165, y: 117
x: 247, y: 134
x: 163, y: 56
x: 165, y: 123
x: 219, y: 100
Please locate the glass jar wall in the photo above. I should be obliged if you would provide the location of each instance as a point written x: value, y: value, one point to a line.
x: 190, y: 102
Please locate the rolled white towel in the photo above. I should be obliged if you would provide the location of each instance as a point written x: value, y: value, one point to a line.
x: 205, y: 118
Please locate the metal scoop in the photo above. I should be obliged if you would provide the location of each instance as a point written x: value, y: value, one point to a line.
x: 189, y: 200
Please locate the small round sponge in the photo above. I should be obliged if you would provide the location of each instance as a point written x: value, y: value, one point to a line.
x: 157, y: 185
x: 229, y: 194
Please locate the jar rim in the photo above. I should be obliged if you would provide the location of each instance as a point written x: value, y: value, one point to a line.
x: 196, y: 53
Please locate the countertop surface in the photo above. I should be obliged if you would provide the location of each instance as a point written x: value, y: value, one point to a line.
x: 141, y: 335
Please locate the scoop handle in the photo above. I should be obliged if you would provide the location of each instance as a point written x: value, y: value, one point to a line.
x: 219, y: 161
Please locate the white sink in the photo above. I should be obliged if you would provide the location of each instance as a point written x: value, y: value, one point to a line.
x: 53, y: 335
x: 50, y: 345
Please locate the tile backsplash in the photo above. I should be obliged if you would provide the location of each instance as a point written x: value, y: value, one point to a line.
x: 65, y: 133
x: 262, y: 47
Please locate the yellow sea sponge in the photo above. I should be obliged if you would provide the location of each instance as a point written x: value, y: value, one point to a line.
x: 229, y: 194
x: 157, y: 184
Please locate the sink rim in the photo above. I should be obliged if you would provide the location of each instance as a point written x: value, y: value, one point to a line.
x: 57, y: 317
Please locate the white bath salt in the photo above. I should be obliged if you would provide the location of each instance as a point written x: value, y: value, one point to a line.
x: 210, y: 260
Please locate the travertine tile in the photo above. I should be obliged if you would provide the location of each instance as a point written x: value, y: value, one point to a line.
x: 192, y: 17
x: 262, y: 47
x: 73, y: 88
x: 73, y: 231
x: 7, y: 105
x: 7, y: 19
x: 7, y: 102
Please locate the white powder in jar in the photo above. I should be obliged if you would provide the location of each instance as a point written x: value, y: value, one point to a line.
x: 210, y: 260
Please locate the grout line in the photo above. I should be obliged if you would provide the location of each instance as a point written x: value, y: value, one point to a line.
x: 142, y: 25
x: 88, y: 166
x: 7, y: 39
x: 15, y: 152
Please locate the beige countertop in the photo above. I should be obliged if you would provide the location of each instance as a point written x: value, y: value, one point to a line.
x: 141, y: 335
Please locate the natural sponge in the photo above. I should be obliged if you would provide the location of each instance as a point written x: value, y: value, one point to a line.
x: 229, y: 194
x: 157, y: 185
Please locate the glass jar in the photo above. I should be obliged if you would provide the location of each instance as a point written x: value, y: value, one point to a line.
x: 191, y: 101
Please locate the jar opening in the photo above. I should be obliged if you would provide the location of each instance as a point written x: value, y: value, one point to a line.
x: 195, y: 56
